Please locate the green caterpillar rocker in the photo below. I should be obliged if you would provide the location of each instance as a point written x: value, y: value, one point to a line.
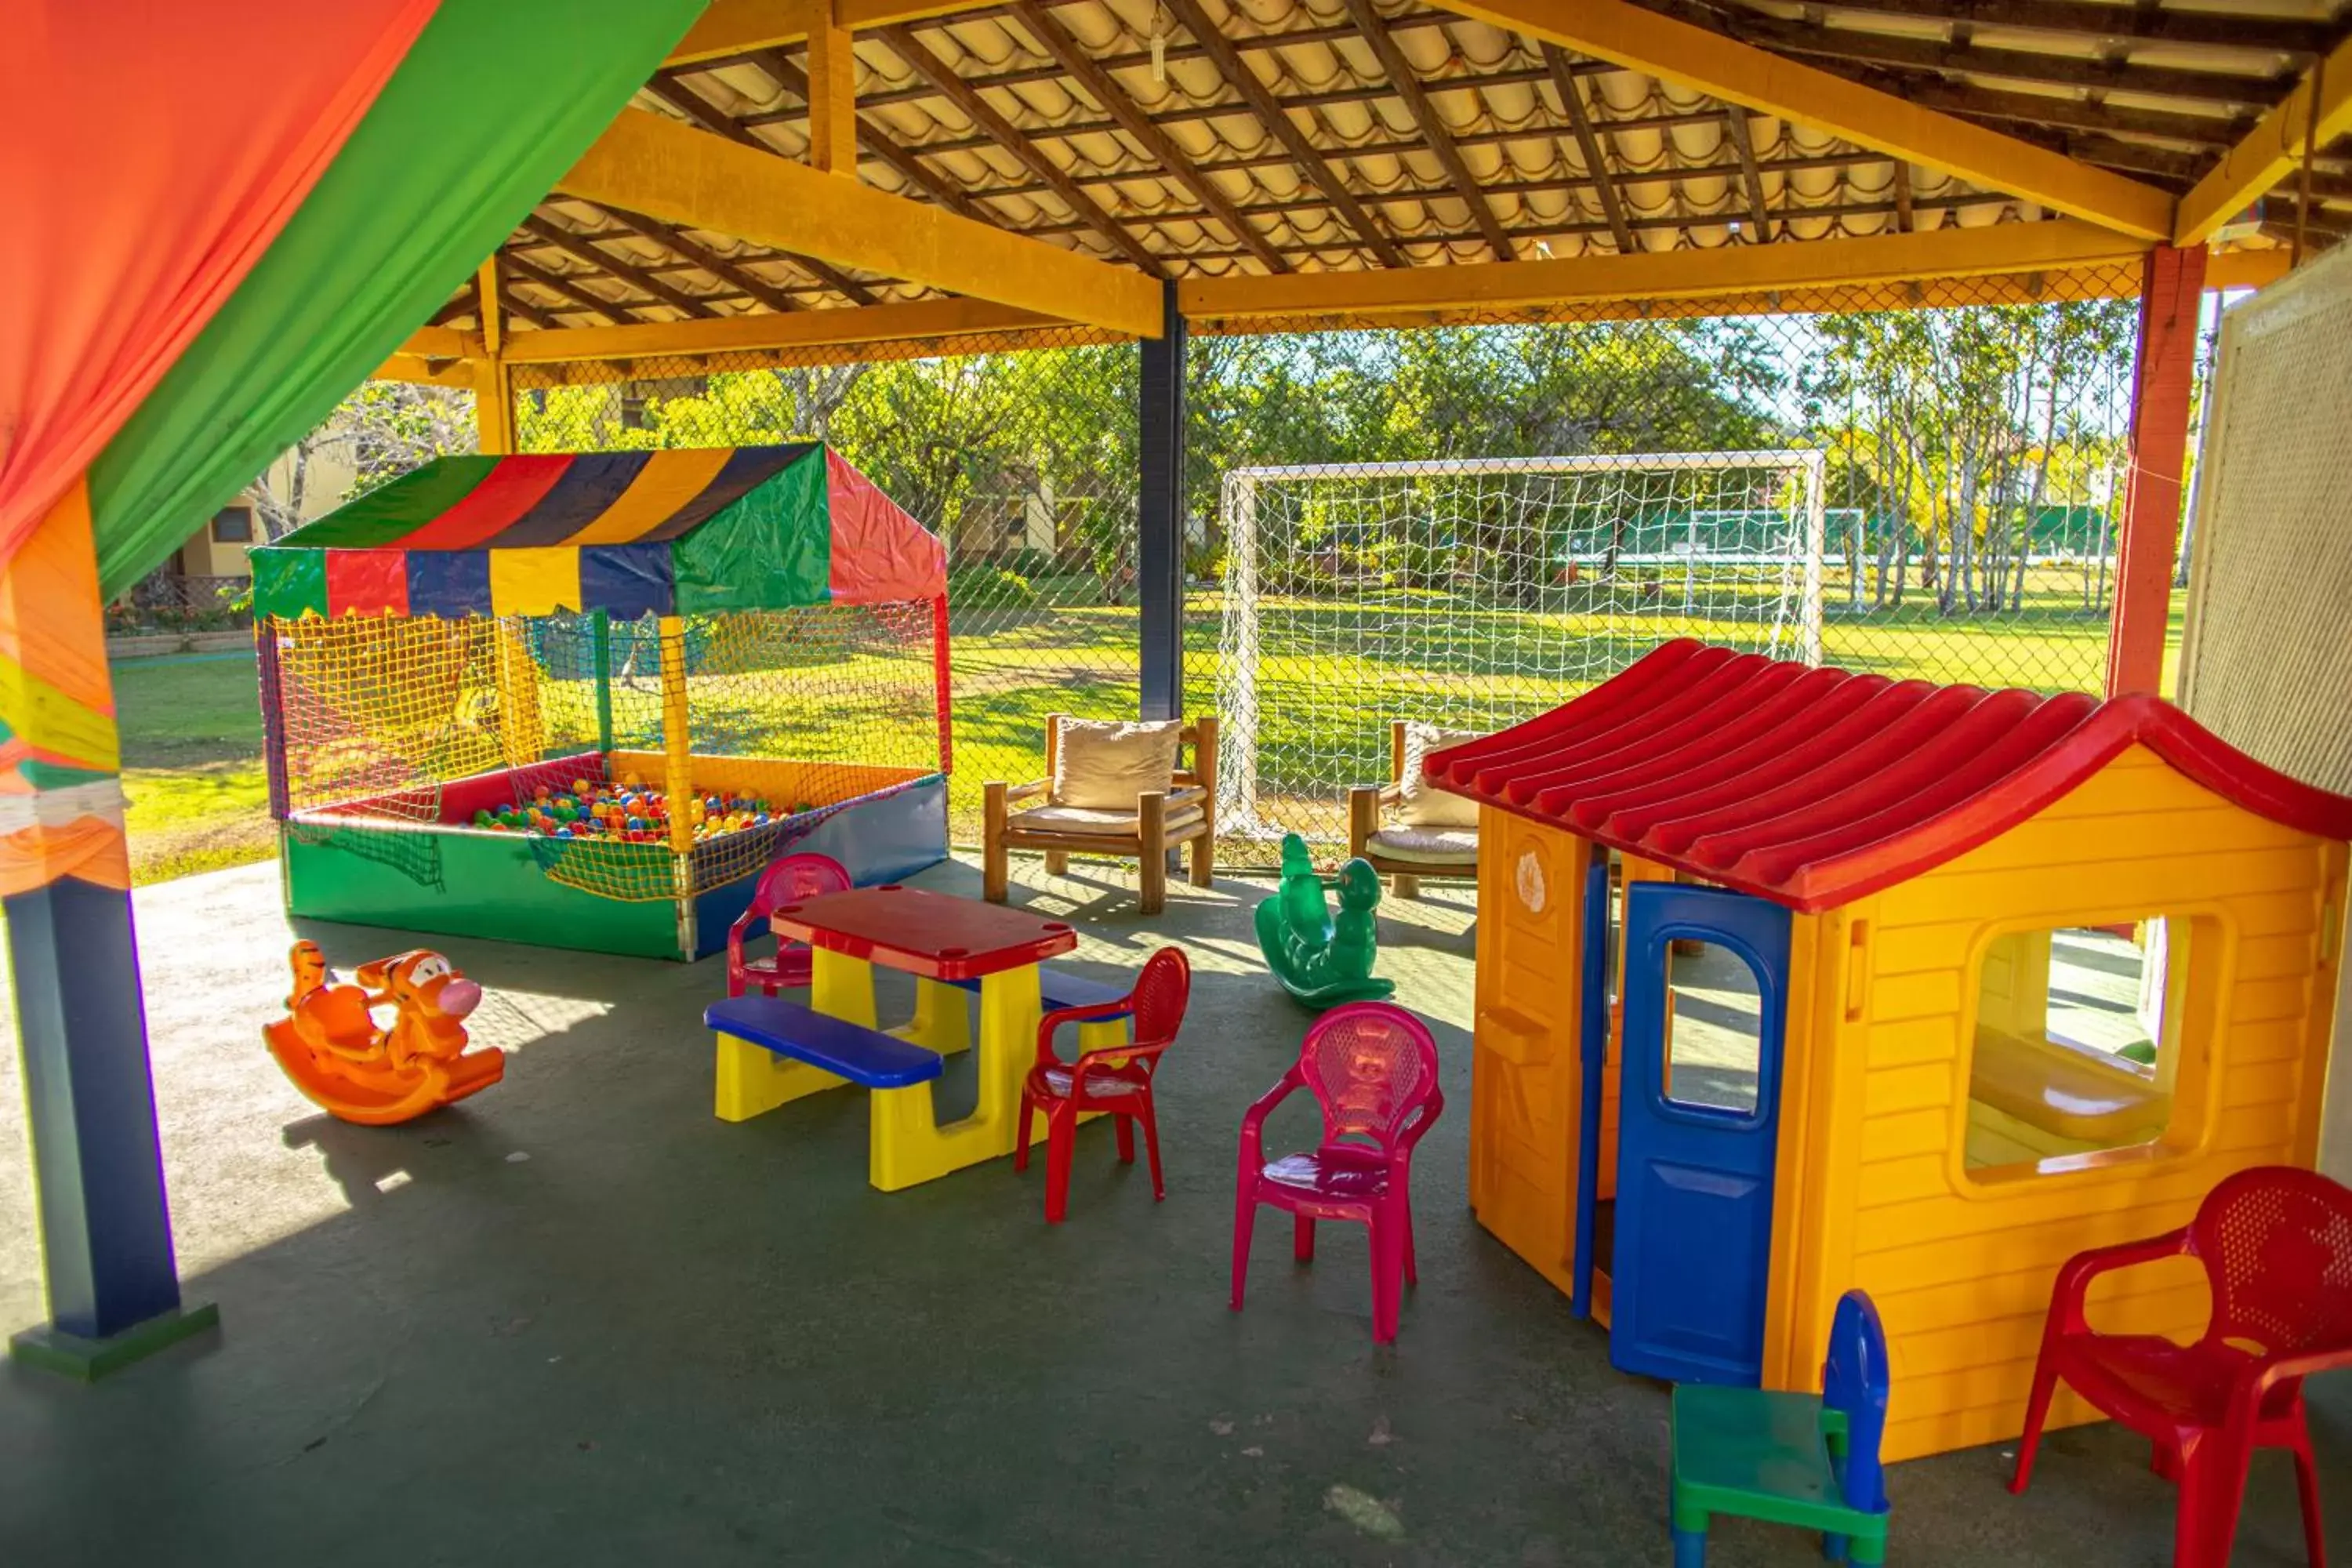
x: 1320, y: 959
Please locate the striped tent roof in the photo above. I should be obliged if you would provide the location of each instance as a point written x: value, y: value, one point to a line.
x: 632, y: 534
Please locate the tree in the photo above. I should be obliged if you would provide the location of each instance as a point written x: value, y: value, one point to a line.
x: 374, y: 435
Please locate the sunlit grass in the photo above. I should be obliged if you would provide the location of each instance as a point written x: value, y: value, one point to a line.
x: 1329, y: 678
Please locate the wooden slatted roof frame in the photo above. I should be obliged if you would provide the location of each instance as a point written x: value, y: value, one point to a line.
x: 1933, y: 119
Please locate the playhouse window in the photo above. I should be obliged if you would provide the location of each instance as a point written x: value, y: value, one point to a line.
x: 1714, y: 1028
x: 2078, y: 1032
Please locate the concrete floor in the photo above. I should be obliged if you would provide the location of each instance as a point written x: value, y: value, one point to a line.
x: 579, y: 1321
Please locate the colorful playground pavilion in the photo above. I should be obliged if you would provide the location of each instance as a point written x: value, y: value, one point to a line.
x: 210, y: 282
x: 1887, y: 860
x: 484, y: 631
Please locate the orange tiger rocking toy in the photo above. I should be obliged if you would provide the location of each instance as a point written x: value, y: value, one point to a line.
x: 330, y: 1044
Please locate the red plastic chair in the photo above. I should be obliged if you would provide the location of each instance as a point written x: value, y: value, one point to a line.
x: 1115, y: 1079
x: 2276, y: 1244
x: 1373, y: 1069
x: 795, y: 877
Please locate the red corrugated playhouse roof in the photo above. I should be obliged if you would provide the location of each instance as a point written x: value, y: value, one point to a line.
x: 1814, y: 788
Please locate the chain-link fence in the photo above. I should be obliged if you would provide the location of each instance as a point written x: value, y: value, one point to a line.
x: 1020, y: 453
x: 1468, y: 523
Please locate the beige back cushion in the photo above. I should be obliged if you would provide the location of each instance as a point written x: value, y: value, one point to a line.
x: 1423, y: 804
x: 1103, y: 766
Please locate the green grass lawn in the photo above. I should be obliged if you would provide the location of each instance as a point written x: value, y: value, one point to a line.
x: 192, y: 764
x: 1329, y: 678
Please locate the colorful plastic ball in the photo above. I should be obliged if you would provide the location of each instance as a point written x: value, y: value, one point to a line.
x: 636, y: 824
x: 760, y: 820
x: 564, y: 833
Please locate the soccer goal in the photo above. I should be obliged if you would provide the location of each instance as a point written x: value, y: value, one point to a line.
x: 1475, y: 592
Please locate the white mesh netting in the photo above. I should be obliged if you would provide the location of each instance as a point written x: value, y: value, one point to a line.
x: 2266, y: 663
x: 1472, y: 594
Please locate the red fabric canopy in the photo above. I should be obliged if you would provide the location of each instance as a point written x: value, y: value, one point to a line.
x: 148, y: 154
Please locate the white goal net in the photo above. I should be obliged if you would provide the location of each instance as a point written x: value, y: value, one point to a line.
x: 1472, y: 594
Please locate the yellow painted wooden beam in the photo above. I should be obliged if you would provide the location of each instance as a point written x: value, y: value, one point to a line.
x: 449, y: 372
x: 796, y: 329
x: 2271, y: 150
x: 442, y: 342
x: 2060, y: 244
x: 734, y: 27
x: 2246, y: 269
x: 831, y: 101
x: 644, y: 163
x: 1724, y: 68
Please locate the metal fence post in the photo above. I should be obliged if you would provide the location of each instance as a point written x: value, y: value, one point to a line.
x: 1160, y: 519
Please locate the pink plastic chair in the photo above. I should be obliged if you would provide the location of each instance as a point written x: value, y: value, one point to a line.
x: 1372, y: 1067
x: 794, y: 878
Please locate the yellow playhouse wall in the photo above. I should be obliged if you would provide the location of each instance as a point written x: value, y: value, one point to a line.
x: 1524, y: 1062
x: 1961, y: 1267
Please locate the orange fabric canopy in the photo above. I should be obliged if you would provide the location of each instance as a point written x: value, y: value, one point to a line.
x: 148, y: 154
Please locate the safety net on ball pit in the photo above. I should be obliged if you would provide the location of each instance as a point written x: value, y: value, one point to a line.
x: 658, y: 669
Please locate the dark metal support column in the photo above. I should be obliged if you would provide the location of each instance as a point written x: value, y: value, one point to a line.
x: 1160, y: 521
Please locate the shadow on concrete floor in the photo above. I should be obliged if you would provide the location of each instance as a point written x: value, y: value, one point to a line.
x: 661, y: 1338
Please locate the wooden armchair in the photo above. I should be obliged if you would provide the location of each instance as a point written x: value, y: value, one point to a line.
x: 1184, y: 812
x: 1408, y: 849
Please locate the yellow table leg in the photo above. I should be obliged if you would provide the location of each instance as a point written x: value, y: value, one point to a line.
x: 1009, y: 1012
x: 754, y: 1080
x: 907, y: 1147
x: 842, y: 987
x: 942, y: 1020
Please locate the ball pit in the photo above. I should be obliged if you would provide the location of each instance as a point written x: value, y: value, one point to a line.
x: 630, y: 811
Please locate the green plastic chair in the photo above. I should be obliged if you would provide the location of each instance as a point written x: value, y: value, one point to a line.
x: 1809, y: 1460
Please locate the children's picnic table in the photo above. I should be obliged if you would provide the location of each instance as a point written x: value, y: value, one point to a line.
x: 943, y: 941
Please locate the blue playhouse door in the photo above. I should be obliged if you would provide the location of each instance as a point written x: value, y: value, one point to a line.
x: 1697, y: 1132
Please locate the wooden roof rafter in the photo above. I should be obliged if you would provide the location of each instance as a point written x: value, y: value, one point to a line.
x: 626, y: 271
x: 1406, y: 83
x: 710, y: 260
x: 1277, y: 121
x: 1717, y: 62
x: 1588, y: 145
x: 1106, y: 91
x: 1007, y: 136
x: 1743, y: 141
x: 524, y: 270
x: 2212, y: 85
x: 2137, y: 23
x: 874, y: 139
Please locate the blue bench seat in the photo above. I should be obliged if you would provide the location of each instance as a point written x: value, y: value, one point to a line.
x: 1059, y: 988
x: 852, y: 1052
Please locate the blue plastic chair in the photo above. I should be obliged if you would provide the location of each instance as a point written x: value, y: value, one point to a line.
x: 1809, y: 1460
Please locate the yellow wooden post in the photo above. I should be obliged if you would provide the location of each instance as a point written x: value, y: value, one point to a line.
x: 833, y: 101
x: 677, y: 775
x: 493, y: 390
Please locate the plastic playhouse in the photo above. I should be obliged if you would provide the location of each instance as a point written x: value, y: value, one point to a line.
x: 1791, y: 981
x: 583, y: 700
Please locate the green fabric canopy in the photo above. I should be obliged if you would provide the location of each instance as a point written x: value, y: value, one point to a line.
x: 496, y: 100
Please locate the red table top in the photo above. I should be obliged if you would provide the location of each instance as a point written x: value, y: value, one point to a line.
x: 935, y: 935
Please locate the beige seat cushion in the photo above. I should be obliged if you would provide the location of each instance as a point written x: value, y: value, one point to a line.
x: 1094, y: 821
x: 1102, y: 765
x: 1421, y: 803
x: 1451, y: 847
